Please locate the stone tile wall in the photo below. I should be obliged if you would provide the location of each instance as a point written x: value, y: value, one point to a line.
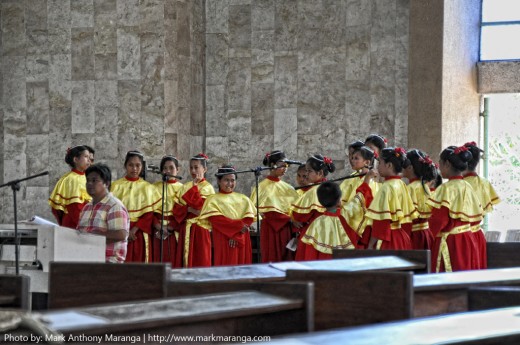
x: 232, y: 78
x: 114, y: 74
x: 303, y: 76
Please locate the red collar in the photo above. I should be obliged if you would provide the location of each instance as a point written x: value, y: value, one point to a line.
x: 131, y: 179
x: 172, y: 181
x: 472, y: 173
x: 272, y: 178
x: 392, y: 178
x: 333, y: 214
x: 78, y: 172
x: 458, y: 177
x: 413, y: 180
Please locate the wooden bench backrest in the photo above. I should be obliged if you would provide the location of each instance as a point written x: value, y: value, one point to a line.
x: 355, y: 298
x: 14, y: 291
x: 492, y: 297
x: 239, y: 313
x: 502, y: 255
x: 300, y: 290
x: 81, y: 284
x: 420, y: 256
x: 493, y: 236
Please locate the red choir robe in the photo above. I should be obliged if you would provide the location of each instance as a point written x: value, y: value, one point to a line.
x: 391, y: 208
x: 274, y: 200
x: 488, y: 198
x: 141, y: 199
x: 226, y: 214
x: 455, y: 207
x: 193, y: 246
x: 68, y: 198
x: 169, y: 242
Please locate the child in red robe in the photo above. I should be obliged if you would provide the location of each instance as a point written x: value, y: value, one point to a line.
x: 455, y: 208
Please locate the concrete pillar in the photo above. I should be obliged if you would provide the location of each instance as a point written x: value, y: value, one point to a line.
x: 444, y: 51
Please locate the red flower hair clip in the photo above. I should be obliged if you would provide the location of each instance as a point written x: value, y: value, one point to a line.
x: 267, y: 155
x: 202, y: 155
x: 385, y: 140
x: 471, y: 143
x: 460, y: 149
x: 327, y: 160
x: 399, y: 151
x: 376, y: 156
x: 426, y: 160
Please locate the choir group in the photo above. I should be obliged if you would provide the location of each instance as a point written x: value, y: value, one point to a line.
x: 373, y: 208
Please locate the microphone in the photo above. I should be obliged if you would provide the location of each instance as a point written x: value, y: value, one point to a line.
x: 288, y: 161
x: 157, y: 170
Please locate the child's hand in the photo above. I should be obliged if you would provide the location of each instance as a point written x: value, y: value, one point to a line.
x: 371, y: 175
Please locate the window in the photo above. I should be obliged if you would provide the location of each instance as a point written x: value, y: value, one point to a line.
x: 500, y: 30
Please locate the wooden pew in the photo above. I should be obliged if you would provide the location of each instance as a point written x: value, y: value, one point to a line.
x: 502, y: 255
x: 493, y: 297
x: 79, y: 284
x: 284, y: 289
x: 14, y: 291
x: 444, y: 293
x: 356, y: 298
x: 238, y: 313
x: 420, y: 256
x: 276, y: 271
x: 499, y: 326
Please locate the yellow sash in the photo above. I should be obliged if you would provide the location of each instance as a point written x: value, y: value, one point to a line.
x: 71, y: 188
x: 444, y: 253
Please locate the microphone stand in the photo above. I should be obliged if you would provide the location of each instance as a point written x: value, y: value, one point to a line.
x: 165, y: 178
x: 335, y: 180
x: 15, y: 186
x: 257, y: 171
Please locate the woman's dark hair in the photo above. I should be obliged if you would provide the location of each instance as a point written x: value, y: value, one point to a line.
x: 356, y: 144
x: 396, y: 156
x: 329, y: 194
x: 74, y: 152
x: 202, y: 158
x: 321, y: 163
x: 272, y: 157
x: 90, y: 149
x: 476, y: 152
x: 169, y: 158
x: 457, y: 156
x: 226, y: 170
x: 423, y: 166
x: 438, y: 179
x: 377, y: 140
x: 103, y: 171
x: 134, y: 153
